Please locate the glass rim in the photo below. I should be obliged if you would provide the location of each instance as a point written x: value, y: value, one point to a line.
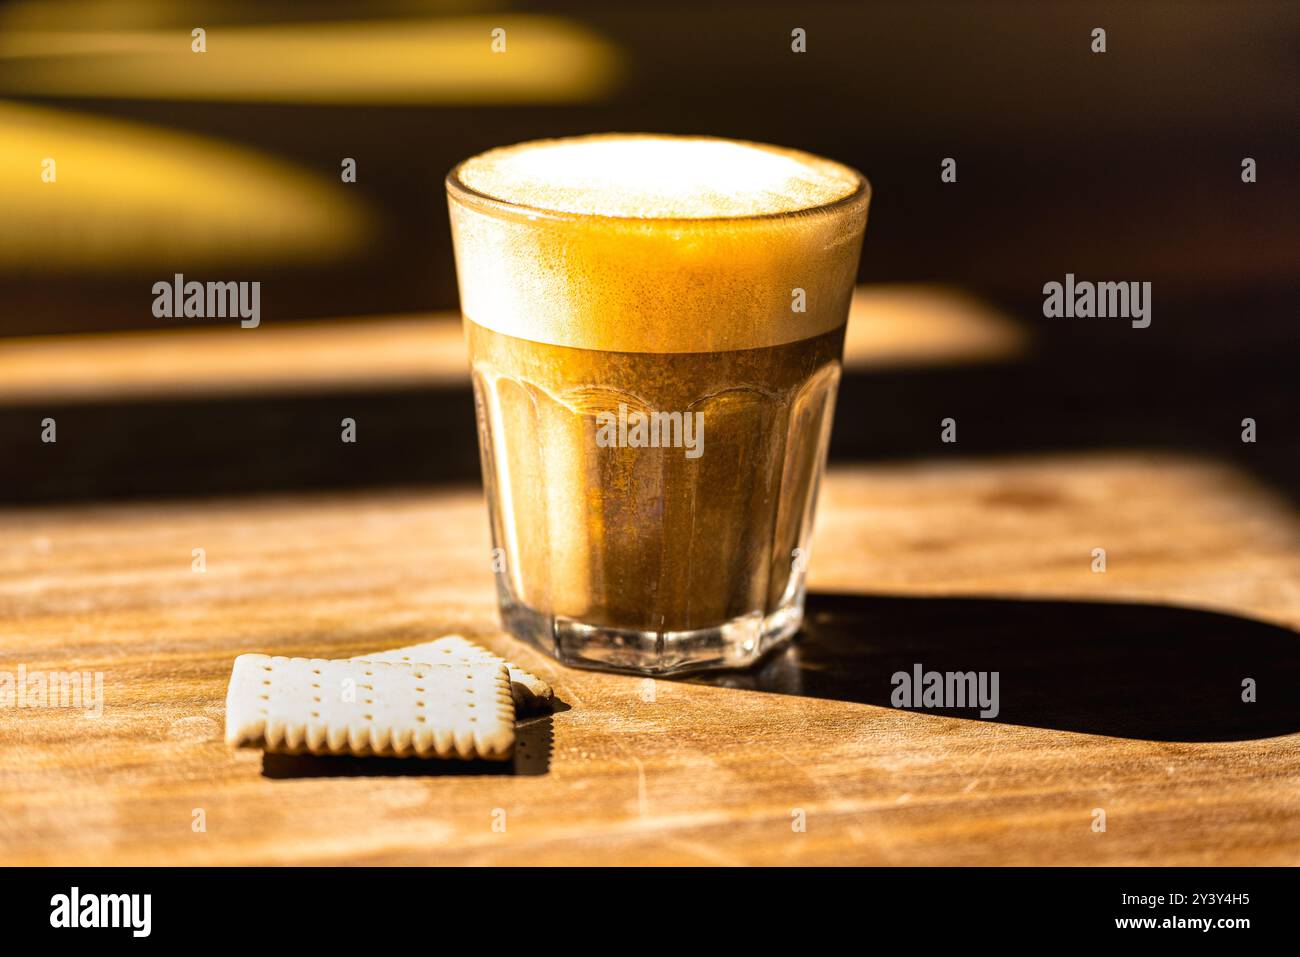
x: 473, y: 198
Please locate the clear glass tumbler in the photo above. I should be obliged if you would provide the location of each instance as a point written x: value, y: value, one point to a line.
x: 655, y: 329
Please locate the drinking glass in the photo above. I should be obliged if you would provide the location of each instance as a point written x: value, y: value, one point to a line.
x: 655, y: 328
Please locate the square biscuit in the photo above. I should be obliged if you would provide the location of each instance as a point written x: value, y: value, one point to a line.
x: 530, y: 692
x: 362, y: 707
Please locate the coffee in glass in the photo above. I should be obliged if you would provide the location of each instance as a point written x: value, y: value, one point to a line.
x: 655, y: 326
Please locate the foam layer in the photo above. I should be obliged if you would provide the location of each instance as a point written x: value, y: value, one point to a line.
x: 659, y: 280
x: 657, y: 177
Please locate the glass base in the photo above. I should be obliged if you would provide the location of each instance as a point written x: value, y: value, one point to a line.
x: 738, y: 643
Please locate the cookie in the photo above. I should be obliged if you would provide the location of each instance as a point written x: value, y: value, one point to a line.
x: 364, y: 706
x: 531, y: 693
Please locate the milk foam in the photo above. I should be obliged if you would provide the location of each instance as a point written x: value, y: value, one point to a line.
x: 656, y: 244
x: 658, y: 177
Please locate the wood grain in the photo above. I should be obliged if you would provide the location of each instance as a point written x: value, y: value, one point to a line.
x: 628, y: 771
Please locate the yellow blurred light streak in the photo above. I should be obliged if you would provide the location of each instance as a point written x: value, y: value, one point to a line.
x: 546, y: 60
x: 889, y: 327
x: 129, y: 194
x: 927, y: 324
x: 102, y: 14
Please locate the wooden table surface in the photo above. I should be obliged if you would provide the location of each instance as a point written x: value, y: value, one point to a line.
x: 1120, y: 691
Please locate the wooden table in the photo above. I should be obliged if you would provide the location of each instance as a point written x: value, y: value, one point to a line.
x: 1120, y: 691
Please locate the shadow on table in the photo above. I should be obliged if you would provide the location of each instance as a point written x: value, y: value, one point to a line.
x: 1127, y: 670
x: 535, y: 736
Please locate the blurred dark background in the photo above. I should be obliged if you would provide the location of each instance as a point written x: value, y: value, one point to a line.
x: 1117, y: 166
